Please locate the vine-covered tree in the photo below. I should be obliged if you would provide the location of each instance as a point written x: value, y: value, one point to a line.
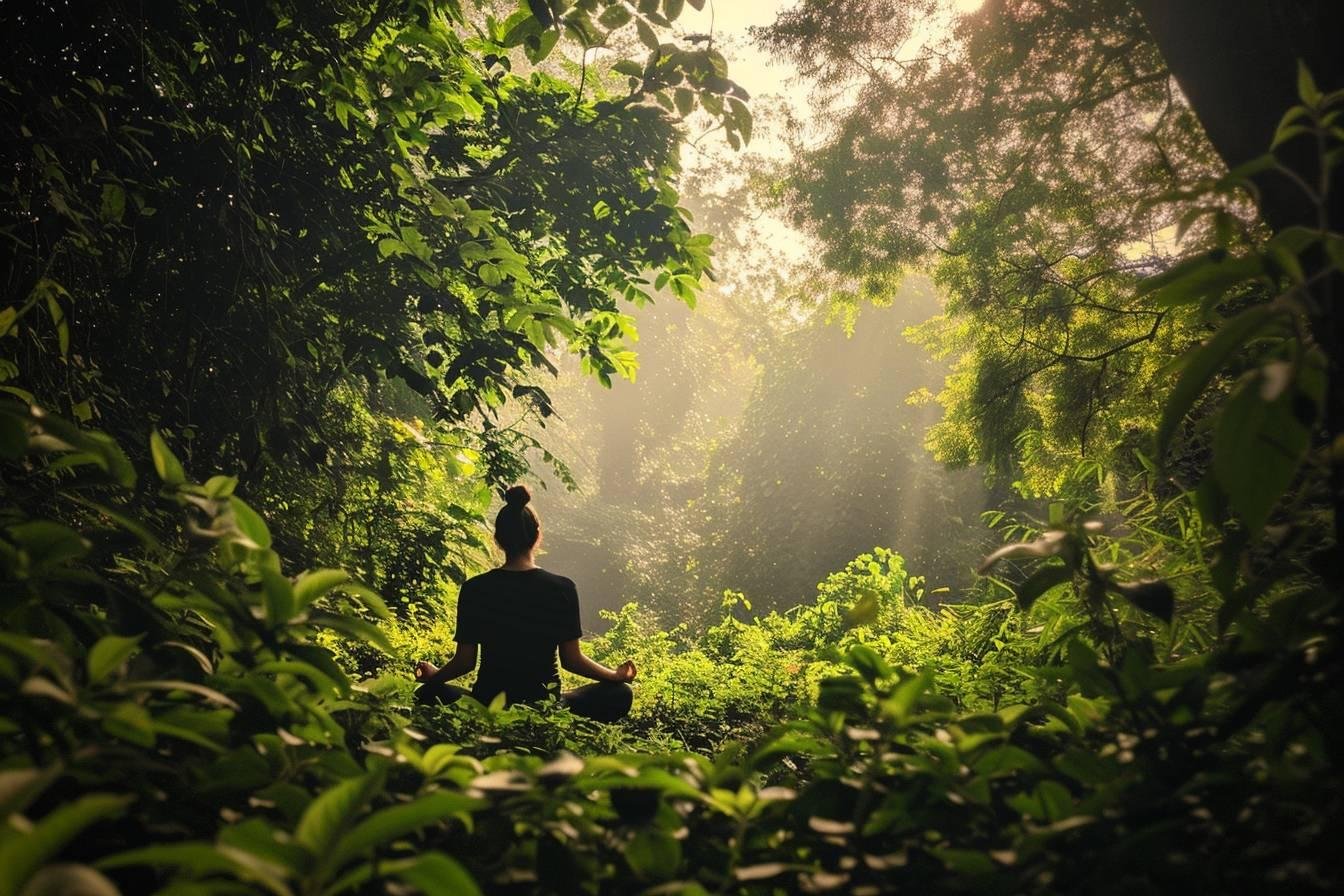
x: 1026, y: 156
x: 252, y: 226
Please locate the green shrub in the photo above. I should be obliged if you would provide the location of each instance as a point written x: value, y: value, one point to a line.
x: 171, y: 722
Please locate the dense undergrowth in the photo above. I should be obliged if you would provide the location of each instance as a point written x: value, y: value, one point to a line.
x: 864, y: 743
x: 736, y: 679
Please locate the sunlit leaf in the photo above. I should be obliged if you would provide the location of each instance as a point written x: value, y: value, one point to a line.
x: 106, y: 656
x: 166, y: 463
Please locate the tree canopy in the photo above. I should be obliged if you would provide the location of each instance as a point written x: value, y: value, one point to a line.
x: 284, y: 285
x: 253, y: 227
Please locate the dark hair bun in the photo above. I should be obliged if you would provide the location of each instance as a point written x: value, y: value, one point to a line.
x: 517, y: 496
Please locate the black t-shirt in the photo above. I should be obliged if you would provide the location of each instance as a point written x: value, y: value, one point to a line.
x: 519, y: 618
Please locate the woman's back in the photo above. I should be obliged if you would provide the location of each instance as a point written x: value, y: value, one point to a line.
x: 519, y: 618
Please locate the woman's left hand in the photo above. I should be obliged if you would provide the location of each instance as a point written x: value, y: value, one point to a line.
x: 424, y: 670
x: 626, y: 671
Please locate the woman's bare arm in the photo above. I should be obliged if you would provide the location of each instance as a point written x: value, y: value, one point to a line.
x: 573, y: 659
x: 463, y: 661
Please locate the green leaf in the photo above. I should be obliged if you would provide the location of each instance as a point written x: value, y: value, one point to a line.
x: 368, y: 598
x: 114, y: 202
x: 435, y: 874
x: 867, y: 662
x: 863, y: 611
x: 48, y: 544
x: 1041, y: 581
x: 614, y: 16
x: 20, y: 786
x: 108, y: 655
x: 1055, y: 799
x: 220, y: 486
x: 1086, y: 767
x: 60, y: 321
x: 1006, y: 759
x: 653, y: 854
x: 92, y: 447
x: 320, y: 658
x: 250, y: 523
x: 646, y: 34
x: 518, y: 27
x: 741, y: 117
x: 355, y: 628
x: 312, y: 585
x: 966, y: 861
x: 685, y: 101
x: 672, y: 9
x: 789, y: 743
x: 1203, y: 363
x: 278, y: 596
x: 1050, y: 801
x: 24, y: 853
x: 1198, y: 278
x: 131, y: 722
x: 582, y: 28
x: 1307, y: 91
x: 331, y: 813
x: 261, y: 869
x: 1258, y: 446
x: 386, y: 825
x: 906, y: 694
x: 318, y: 678
x: 545, y: 43
x: 69, y: 880
x: 189, y: 687
x: 199, y: 858
x: 490, y: 275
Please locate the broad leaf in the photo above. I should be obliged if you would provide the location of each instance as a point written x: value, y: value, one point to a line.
x: 1203, y: 364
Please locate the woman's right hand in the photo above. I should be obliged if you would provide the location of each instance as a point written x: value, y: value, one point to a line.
x: 424, y: 670
x: 626, y: 671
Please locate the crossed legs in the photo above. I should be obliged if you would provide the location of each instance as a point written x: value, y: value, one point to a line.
x: 601, y: 701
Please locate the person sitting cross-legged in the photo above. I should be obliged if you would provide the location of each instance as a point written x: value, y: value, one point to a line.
x: 519, y: 617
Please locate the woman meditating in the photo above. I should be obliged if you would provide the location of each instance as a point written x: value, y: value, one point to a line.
x: 519, y: 616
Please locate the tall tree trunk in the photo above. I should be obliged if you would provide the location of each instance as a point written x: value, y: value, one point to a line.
x: 1236, y: 62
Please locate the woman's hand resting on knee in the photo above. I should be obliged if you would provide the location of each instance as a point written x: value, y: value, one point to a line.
x: 572, y: 659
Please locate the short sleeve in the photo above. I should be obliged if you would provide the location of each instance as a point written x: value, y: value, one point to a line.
x: 470, y: 625
x: 572, y: 629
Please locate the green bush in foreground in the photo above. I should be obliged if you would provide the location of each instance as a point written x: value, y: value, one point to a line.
x: 170, y: 725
